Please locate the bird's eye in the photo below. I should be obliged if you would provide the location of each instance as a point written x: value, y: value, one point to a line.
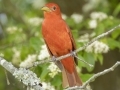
x: 54, y: 8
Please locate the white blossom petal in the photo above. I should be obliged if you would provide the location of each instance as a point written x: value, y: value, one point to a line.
x: 97, y: 47
x: 47, y: 86
x: 43, y: 53
x: 28, y: 61
x: 98, y: 15
x: 92, y: 24
x: 77, y: 17
x: 35, y: 21
x: 53, y: 69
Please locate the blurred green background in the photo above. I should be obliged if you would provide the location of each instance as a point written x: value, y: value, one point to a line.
x: 20, y: 38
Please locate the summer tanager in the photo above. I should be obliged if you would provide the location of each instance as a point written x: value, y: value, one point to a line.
x: 59, y: 41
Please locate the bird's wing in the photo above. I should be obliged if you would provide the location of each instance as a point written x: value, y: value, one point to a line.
x: 73, y: 43
x: 58, y: 63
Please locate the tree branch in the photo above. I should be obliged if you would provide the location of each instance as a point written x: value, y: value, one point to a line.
x: 79, y: 49
x: 27, y: 77
x: 94, y: 77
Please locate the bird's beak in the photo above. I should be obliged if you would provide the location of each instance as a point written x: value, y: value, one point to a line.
x: 45, y: 8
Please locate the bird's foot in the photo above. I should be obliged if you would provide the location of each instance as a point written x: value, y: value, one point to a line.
x: 53, y: 58
x: 73, y: 53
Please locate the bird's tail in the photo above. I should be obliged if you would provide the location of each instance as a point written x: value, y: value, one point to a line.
x: 71, y: 79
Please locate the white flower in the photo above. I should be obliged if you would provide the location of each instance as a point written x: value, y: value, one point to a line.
x: 16, y: 55
x: 77, y: 17
x: 35, y: 21
x: 98, y: 15
x: 89, y: 48
x: 43, y: 53
x: 97, y: 47
x: 94, y: 17
x: 92, y: 24
x: 78, y: 69
x: 64, y: 16
x: 12, y: 29
x: 53, y: 70
x: 92, y: 34
x: 28, y: 61
x: 47, y: 86
x: 84, y: 38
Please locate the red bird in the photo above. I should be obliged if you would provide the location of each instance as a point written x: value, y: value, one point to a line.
x: 59, y: 41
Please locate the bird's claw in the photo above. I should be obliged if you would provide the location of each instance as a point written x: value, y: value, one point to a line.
x: 53, y: 58
x: 73, y: 53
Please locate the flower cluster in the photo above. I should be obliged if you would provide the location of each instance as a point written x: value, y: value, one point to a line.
x: 97, y: 47
x: 85, y: 37
x: 43, y: 53
x: 92, y: 23
x: 53, y: 70
x: 47, y: 86
x: 13, y: 29
x: 16, y: 57
x: 64, y: 16
x: 28, y: 61
x: 77, y: 18
x: 35, y: 21
x: 96, y: 16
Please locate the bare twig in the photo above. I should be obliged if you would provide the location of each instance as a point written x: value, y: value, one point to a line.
x: 84, y: 61
x: 79, y: 49
x: 27, y: 77
x: 94, y: 77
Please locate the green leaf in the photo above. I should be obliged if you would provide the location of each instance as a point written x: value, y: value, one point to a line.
x: 57, y: 81
x: 115, y: 34
x: 117, y: 10
x: 35, y: 42
x: 70, y: 22
x: 100, y: 58
x: 113, y: 43
x: 100, y: 29
x: 89, y: 57
x: 85, y: 77
x: 44, y: 72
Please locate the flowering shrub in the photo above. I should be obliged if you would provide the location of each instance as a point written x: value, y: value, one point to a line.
x: 23, y: 44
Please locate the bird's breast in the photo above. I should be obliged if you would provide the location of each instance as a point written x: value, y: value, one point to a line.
x: 57, y: 38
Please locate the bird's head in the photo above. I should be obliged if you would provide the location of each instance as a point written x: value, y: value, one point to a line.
x: 51, y: 9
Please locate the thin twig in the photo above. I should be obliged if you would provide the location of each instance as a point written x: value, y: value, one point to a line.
x: 90, y: 65
x: 79, y: 49
x: 94, y: 77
